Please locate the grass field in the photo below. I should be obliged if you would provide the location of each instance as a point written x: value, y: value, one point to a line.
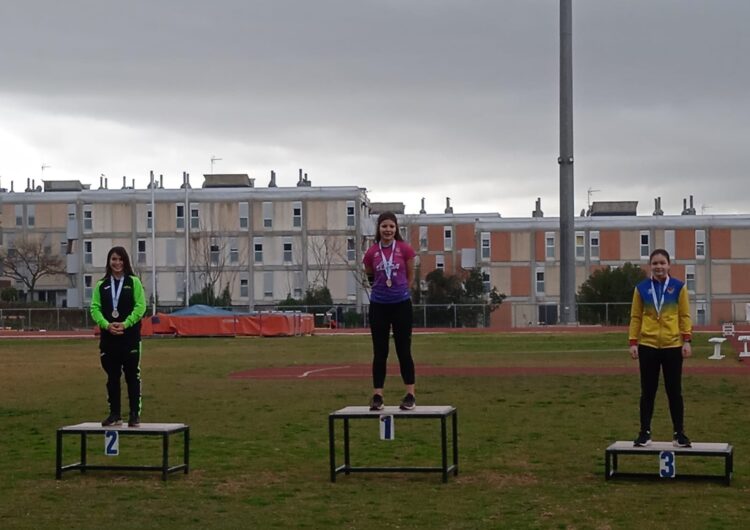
x: 531, y: 447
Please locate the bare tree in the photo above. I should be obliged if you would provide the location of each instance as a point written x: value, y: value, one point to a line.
x: 324, y: 250
x: 30, y: 260
x: 211, y: 260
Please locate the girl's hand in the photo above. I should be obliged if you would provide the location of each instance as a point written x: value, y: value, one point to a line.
x: 687, y: 350
x: 634, y: 351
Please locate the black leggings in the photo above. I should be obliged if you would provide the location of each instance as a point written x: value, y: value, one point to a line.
x: 115, y: 364
x: 669, y: 360
x: 382, y: 318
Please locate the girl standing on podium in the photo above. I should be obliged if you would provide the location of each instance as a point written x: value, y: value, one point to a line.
x: 660, y: 334
x: 118, y: 303
x: 389, y: 265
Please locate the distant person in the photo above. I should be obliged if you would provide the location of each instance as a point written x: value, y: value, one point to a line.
x: 117, y: 305
x: 389, y: 265
x: 660, y: 335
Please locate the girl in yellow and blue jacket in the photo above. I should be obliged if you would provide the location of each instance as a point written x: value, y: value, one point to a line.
x: 660, y: 334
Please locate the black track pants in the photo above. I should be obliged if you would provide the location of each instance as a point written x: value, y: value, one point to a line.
x: 383, y: 317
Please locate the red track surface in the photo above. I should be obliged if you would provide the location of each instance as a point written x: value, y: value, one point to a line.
x: 341, y: 371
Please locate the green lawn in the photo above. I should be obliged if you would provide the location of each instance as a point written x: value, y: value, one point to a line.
x: 531, y: 447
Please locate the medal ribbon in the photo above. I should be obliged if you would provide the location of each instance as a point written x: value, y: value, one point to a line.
x: 115, y: 293
x: 658, y: 304
x: 388, y: 263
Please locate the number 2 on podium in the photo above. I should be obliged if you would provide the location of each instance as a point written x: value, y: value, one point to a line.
x: 111, y: 443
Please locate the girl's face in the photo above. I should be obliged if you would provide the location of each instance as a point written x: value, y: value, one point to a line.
x: 116, y: 264
x: 387, y: 231
x: 659, y: 267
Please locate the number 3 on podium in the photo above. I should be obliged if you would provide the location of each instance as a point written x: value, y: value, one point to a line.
x: 666, y: 464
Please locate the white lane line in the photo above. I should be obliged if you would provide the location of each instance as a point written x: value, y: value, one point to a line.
x: 322, y: 370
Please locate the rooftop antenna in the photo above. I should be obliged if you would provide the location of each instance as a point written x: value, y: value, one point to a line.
x: 704, y: 207
x: 44, y: 166
x: 590, y: 192
x: 213, y: 159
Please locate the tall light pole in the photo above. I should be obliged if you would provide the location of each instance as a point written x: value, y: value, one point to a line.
x: 565, y: 160
x: 153, y: 243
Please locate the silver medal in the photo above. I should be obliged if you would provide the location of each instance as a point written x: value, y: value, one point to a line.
x: 115, y: 313
x: 389, y: 283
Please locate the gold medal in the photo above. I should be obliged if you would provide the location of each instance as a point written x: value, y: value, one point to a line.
x: 389, y: 283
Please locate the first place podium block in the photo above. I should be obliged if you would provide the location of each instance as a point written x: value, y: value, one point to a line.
x: 670, y: 453
x: 441, y: 413
x: 145, y: 429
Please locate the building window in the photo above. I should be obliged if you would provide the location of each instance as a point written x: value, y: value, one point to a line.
x: 645, y: 244
x: 440, y: 262
x: 486, y: 287
x: 244, y: 215
x: 287, y: 247
x: 258, y: 249
x: 63, y: 247
x: 214, y: 251
x: 195, y: 219
x: 422, y: 238
x: 88, y: 218
x: 485, y: 244
x: 549, y: 245
x: 268, y: 284
x: 244, y: 285
x: 580, y: 245
x: 88, y: 283
x: 351, y: 286
x: 141, y: 251
x: 19, y: 214
x: 540, y: 280
x: 700, y: 244
x: 267, y: 215
x: 447, y: 238
x: 297, y: 288
x: 690, y: 278
x: 351, y: 249
x: 179, y: 285
x: 149, y: 219
x: 296, y: 214
x: 669, y: 242
x: 234, y: 250
x: 350, y: 213
x: 30, y: 215
x: 171, y: 248
x: 594, y: 245
x: 180, y: 217
x: 88, y: 252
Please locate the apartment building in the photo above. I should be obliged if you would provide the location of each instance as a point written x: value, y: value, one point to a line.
x: 264, y: 244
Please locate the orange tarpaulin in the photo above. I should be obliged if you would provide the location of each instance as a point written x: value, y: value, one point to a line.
x: 255, y: 325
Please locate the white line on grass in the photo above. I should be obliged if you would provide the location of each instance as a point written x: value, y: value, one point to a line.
x: 323, y: 370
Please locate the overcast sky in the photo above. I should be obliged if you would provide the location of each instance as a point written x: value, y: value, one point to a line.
x: 407, y: 98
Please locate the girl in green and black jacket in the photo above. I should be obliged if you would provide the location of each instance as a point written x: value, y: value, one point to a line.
x: 117, y: 305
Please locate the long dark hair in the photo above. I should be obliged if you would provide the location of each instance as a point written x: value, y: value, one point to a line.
x: 127, y: 269
x: 659, y: 252
x: 388, y: 216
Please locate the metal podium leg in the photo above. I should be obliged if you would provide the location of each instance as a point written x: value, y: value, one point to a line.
x: 58, y: 457
x: 444, y: 447
x: 186, y: 459
x: 164, y: 456
x: 455, y: 443
x: 83, y: 452
x: 347, y: 461
x: 332, y: 448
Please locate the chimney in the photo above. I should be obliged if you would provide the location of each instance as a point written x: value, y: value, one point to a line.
x: 161, y: 181
x: 657, y: 207
x: 448, y: 208
x: 538, y: 208
x: 272, y: 184
x: 422, y: 210
x: 684, y: 207
x: 132, y: 188
x: 691, y: 211
x: 124, y: 182
x: 106, y: 183
x: 101, y: 181
x: 307, y: 181
x: 299, y: 182
x: 11, y: 187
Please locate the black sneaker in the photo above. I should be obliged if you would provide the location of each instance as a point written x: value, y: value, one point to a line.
x: 376, y: 403
x: 680, y: 440
x: 134, y: 420
x: 112, y: 419
x: 408, y: 403
x: 643, y: 440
